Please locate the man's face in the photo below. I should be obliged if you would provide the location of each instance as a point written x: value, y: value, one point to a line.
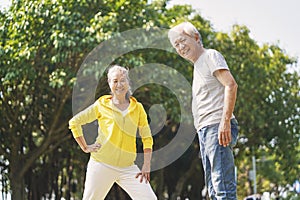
x: 187, y: 46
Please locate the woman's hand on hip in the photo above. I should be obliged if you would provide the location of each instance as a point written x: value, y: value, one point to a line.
x: 92, y: 148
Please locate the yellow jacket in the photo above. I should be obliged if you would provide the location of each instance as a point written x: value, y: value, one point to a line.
x: 117, y: 132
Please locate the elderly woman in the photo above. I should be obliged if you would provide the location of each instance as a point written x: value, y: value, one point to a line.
x: 119, y: 116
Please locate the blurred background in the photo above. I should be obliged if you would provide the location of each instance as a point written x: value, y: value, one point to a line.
x: 44, y: 43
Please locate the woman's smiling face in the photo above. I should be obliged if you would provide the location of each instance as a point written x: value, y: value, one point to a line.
x: 118, y: 83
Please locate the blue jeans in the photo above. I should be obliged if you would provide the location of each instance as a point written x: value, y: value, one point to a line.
x: 218, y: 162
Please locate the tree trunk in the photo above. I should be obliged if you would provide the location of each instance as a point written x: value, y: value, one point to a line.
x: 181, y: 182
x: 160, y: 187
x: 17, y: 187
x: 16, y: 176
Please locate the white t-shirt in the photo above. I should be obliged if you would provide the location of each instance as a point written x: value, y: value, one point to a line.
x: 208, y: 92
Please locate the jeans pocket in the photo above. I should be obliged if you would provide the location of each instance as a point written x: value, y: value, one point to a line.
x: 234, y: 132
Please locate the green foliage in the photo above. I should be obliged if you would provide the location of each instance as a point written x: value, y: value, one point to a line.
x: 267, y: 106
x: 43, y: 45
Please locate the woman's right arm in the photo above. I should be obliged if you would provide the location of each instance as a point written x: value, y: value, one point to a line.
x: 75, y: 124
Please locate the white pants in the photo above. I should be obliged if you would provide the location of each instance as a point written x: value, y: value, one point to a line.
x: 100, y: 178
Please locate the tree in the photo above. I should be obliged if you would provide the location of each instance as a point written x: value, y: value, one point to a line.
x: 267, y: 106
x: 43, y: 45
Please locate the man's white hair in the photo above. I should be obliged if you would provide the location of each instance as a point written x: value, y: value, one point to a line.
x: 183, y: 28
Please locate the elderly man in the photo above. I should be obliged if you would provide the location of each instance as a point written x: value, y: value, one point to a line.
x: 214, y: 95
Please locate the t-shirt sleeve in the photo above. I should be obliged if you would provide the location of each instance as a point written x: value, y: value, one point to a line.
x: 216, y: 61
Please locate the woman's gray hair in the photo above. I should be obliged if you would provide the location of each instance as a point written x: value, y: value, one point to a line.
x: 183, y: 28
x: 123, y: 71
